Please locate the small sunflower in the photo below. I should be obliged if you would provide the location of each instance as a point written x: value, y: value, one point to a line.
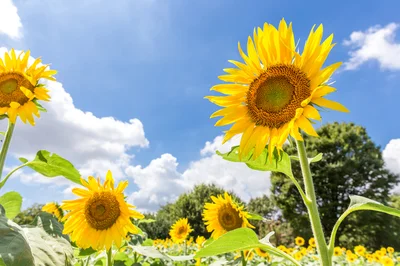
x: 262, y: 253
x: 337, y: 251
x: 200, y: 240
x: 359, y: 250
x: 299, y: 241
x: 20, y: 87
x: 390, y: 250
x: 224, y: 215
x: 53, y: 208
x: 386, y: 261
x: 180, y: 230
x: 298, y: 256
x: 276, y: 91
x: 311, y: 242
x: 101, y: 216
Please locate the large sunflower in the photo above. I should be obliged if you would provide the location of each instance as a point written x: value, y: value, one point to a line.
x: 20, y: 87
x: 275, y: 92
x: 224, y: 215
x: 180, y: 230
x: 101, y: 216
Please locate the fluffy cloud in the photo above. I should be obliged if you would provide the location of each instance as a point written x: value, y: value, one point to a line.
x: 10, y: 23
x: 391, y: 155
x: 93, y: 144
x: 376, y: 43
x: 160, y: 182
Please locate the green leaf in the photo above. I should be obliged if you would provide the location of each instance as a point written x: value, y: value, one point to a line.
x: 52, y: 165
x: 237, y: 240
x: 254, y: 216
x: 11, y: 202
x: 3, y: 116
x: 14, y: 248
x: 49, y: 224
x: 2, y: 133
x: 86, y: 252
x: 262, y: 163
x: 315, y: 159
x: 46, y: 249
x: 358, y: 203
x: 2, y: 262
x: 23, y: 160
x: 151, y: 252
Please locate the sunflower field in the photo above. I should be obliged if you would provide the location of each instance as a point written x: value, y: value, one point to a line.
x: 270, y: 99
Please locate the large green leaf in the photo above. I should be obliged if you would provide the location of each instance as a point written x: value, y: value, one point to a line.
x: 237, y: 240
x: 52, y: 165
x: 358, y: 203
x: 254, y: 216
x: 29, y: 245
x: 11, y: 202
x: 14, y: 247
x: 278, y: 163
x: 46, y: 249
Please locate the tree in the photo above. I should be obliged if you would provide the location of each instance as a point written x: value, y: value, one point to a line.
x: 352, y: 165
x: 272, y: 222
x: 28, y: 215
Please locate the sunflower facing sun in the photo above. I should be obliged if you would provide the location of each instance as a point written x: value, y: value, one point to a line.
x: 180, y: 230
x: 101, y: 217
x: 224, y: 215
x: 20, y: 87
x: 275, y: 92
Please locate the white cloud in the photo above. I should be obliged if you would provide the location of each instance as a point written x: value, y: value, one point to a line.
x: 391, y: 156
x: 160, y: 182
x: 93, y: 144
x: 376, y: 43
x: 10, y: 23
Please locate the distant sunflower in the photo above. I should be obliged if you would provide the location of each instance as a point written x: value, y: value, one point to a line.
x: 224, y: 215
x: 101, y: 217
x: 180, y: 230
x: 262, y: 253
x: 20, y: 87
x: 275, y: 92
x: 53, y: 208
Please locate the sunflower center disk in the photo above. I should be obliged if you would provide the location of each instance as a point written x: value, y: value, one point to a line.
x: 275, y: 95
x: 102, y: 210
x: 9, y: 89
x: 229, y: 218
x: 181, y: 230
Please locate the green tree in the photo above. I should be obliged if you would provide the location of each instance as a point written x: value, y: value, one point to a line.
x: 395, y: 201
x: 352, y: 165
x: 28, y: 215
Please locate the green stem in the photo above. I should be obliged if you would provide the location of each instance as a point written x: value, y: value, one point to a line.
x: 2, y: 183
x: 244, y: 262
x: 334, y: 231
x: 185, y: 251
x: 109, y: 255
x: 6, y: 144
x: 312, y: 205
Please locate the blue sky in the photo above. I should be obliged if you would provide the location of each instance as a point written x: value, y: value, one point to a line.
x: 156, y: 60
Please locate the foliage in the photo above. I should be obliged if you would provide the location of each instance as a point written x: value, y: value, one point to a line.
x: 352, y: 165
x: 27, y: 216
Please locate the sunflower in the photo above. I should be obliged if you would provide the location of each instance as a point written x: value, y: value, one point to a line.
x: 224, y: 215
x: 276, y: 91
x: 311, y: 242
x: 299, y: 241
x: 262, y: 253
x: 337, y: 251
x: 101, y: 216
x: 180, y: 230
x: 20, y: 87
x: 53, y: 208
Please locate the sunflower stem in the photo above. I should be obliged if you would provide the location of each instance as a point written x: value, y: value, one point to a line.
x: 185, y: 251
x: 6, y: 144
x: 109, y: 255
x: 244, y: 262
x: 312, y: 205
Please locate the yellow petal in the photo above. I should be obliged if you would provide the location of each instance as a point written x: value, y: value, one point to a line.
x: 227, y: 100
x: 311, y: 112
x: 322, y: 91
x: 239, y: 127
x: 306, y: 126
x: 330, y: 104
x: 245, y: 138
